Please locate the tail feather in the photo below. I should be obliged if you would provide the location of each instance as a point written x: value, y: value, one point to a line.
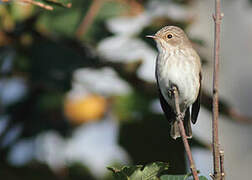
x: 175, y: 132
x: 187, y: 124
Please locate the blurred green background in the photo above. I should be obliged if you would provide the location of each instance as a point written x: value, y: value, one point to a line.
x: 78, y: 94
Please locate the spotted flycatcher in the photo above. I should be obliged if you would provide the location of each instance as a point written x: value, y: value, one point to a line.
x: 178, y: 65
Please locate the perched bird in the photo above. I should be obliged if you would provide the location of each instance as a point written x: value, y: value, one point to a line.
x: 178, y: 65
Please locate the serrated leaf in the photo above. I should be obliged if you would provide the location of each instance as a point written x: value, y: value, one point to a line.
x: 180, y: 177
x: 148, y: 172
x: 124, y: 173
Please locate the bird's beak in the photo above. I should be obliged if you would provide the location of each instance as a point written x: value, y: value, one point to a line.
x: 151, y: 36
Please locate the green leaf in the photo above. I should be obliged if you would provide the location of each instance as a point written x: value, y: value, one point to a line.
x: 124, y: 173
x: 151, y: 171
x: 148, y: 172
x: 127, y: 106
x: 180, y: 177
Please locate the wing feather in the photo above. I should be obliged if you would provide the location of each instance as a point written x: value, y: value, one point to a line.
x: 169, y: 113
x: 196, y: 105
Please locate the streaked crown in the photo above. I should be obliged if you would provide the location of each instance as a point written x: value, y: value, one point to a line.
x: 171, y: 36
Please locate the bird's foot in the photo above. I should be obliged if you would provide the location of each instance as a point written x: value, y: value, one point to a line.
x: 188, y: 137
x: 171, y: 91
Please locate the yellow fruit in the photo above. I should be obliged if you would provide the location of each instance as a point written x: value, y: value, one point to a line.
x: 85, y: 109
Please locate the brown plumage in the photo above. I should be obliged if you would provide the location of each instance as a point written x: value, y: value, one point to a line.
x: 178, y: 65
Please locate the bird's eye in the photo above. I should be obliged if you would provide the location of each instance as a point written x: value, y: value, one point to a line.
x: 169, y: 36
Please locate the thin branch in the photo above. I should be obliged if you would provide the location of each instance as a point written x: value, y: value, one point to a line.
x: 224, y: 109
x: 47, y: 7
x: 183, y: 135
x: 89, y: 18
x: 215, y: 137
x: 234, y: 114
x: 66, y: 5
x: 222, y: 165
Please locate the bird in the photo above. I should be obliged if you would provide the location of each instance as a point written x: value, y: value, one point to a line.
x: 177, y: 65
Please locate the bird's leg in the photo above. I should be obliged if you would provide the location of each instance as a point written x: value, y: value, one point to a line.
x: 179, y: 115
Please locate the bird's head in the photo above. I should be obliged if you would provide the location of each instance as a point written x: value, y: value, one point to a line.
x: 170, y: 37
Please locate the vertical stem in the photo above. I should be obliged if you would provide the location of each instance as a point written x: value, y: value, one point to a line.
x: 216, y: 152
x: 184, y: 138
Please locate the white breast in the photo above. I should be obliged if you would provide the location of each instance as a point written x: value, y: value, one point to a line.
x: 178, y: 68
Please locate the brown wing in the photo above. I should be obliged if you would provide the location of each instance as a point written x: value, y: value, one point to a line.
x: 196, y: 105
x: 169, y: 113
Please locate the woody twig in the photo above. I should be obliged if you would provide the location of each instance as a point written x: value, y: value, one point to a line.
x: 215, y: 106
x: 184, y: 137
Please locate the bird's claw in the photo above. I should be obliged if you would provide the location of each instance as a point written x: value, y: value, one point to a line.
x: 180, y: 116
x: 170, y: 93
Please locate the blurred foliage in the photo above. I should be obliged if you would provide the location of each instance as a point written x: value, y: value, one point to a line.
x: 85, y: 109
x: 41, y: 47
x: 40, y: 171
x: 78, y: 171
x: 128, y: 107
x: 140, y: 140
